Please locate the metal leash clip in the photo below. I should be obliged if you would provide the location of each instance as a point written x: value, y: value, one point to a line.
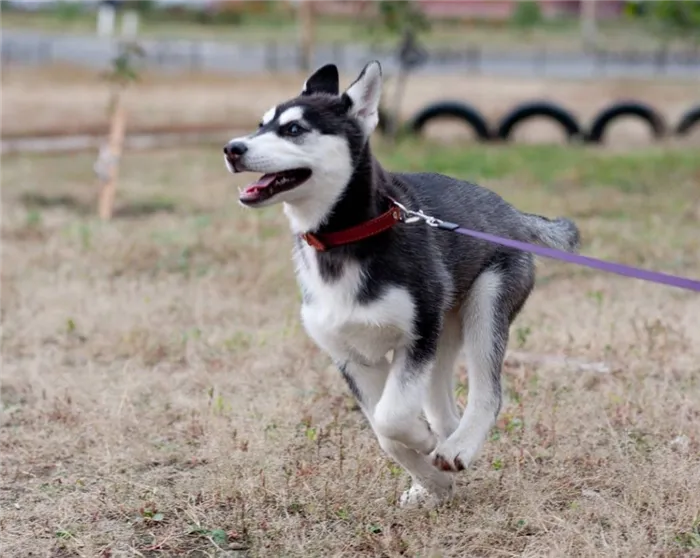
x: 409, y: 216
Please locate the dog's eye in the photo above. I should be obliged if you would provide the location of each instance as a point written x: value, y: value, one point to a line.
x: 292, y: 129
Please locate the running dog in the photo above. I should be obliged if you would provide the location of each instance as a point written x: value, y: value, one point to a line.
x: 374, y: 284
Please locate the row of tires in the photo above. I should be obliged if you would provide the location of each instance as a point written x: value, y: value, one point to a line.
x: 573, y: 130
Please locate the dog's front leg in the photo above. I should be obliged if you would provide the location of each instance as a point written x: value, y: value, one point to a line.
x: 367, y: 383
x: 397, y: 416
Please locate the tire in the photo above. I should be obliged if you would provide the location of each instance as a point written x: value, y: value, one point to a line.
x: 689, y: 119
x: 452, y: 109
x: 626, y: 108
x: 539, y: 109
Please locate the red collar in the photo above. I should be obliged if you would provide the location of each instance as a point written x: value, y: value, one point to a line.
x: 323, y: 242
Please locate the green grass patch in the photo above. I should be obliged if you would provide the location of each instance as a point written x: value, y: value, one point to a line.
x: 552, y: 166
x: 159, y: 176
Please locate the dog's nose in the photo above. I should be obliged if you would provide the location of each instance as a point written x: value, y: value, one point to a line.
x: 234, y: 149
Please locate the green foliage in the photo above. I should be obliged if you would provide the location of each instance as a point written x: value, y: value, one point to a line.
x: 144, y: 7
x: 669, y: 19
x: 690, y: 539
x: 219, y: 537
x: 397, y: 16
x: 634, y: 8
x: 68, y: 11
x: 196, y: 14
x: 523, y: 333
x: 123, y: 69
x: 526, y: 15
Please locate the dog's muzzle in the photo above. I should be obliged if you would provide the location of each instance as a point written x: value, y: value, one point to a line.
x: 233, y: 151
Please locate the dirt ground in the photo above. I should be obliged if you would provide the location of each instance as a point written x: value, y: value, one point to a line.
x: 159, y: 397
x: 70, y: 99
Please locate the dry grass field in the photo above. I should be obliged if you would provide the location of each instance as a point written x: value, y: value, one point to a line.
x: 78, y: 99
x: 159, y: 397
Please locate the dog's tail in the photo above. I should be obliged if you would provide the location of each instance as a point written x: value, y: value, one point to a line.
x: 560, y: 233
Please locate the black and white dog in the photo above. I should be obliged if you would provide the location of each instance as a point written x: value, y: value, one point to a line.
x: 373, y: 284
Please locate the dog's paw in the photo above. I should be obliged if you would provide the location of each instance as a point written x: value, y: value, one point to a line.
x: 448, y: 458
x: 419, y: 496
x: 414, y: 496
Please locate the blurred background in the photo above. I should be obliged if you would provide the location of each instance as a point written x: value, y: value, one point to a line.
x: 219, y: 64
x: 159, y: 395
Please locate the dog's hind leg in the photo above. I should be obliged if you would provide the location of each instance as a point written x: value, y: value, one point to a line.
x: 367, y: 384
x: 494, y: 300
x: 440, y: 408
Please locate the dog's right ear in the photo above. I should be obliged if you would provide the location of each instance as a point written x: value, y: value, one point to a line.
x: 324, y: 80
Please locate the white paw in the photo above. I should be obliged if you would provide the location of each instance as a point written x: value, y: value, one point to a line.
x: 415, y: 496
x: 419, y: 496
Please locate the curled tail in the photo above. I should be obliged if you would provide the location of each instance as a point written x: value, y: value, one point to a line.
x: 559, y: 233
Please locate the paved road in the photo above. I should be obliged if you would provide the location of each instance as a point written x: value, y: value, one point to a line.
x: 40, y: 48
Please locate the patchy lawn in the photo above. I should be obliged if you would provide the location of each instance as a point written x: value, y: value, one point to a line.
x: 160, y: 398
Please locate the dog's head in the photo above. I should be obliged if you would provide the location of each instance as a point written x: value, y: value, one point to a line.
x: 308, y: 147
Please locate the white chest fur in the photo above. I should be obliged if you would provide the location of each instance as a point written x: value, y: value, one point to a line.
x: 345, y: 328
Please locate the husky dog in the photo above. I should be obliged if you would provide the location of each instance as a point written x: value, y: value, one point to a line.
x: 421, y: 293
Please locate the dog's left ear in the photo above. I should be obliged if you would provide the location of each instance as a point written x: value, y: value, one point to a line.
x: 363, y: 96
x: 324, y: 80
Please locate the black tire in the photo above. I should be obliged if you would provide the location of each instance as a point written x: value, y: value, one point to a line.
x: 689, y: 119
x: 539, y: 109
x: 626, y: 108
x: 452, y: 109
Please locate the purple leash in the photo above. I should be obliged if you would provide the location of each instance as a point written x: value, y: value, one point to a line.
x: 611, y: 267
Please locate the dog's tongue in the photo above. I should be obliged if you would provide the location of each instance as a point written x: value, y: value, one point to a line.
x: 252, y: 190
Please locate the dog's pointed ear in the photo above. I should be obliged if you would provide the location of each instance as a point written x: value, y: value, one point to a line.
x: 324, y: 80
x: 362, y: 97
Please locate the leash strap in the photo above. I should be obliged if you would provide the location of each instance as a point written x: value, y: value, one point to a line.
x: 409, y: 216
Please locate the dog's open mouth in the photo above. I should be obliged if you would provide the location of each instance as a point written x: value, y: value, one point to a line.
x: 269, y: 185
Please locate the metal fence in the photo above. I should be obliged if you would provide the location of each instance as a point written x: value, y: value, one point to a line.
x: 227, y: 57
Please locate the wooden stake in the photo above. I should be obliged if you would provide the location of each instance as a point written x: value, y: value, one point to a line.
x: 110, y: 164
x: 306, y: 25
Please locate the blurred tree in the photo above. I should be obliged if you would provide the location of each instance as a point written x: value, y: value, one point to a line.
x: 526, y: 15
x: 669, y: 19
x: 144, y: 7
x: 400, y: 19
x: 123, y: 70
x: 396, y: 17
